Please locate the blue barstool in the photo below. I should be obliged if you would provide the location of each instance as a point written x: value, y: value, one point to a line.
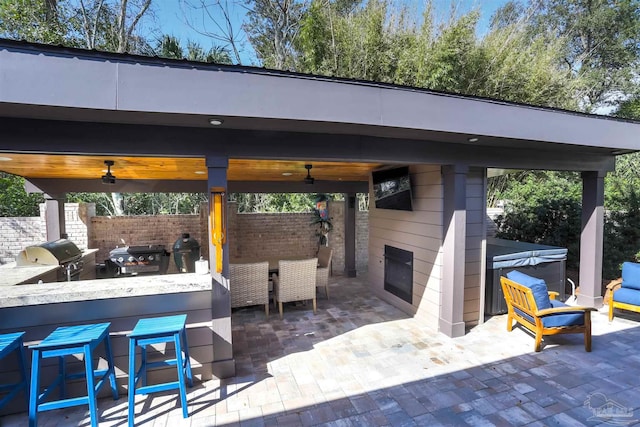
x: 8, y: 344
x: 66, y: 341
x: 154, y: 331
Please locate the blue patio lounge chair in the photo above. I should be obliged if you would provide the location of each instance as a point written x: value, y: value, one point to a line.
x: 626, y: 294
x: 531, y: 304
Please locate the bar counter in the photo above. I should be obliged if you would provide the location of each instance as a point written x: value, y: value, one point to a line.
x: 90, y: 290
x: 38, y: 309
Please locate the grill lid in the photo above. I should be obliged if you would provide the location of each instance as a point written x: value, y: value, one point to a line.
x: 50, y: 253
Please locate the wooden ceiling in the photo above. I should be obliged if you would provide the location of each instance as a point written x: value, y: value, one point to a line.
x: 176, y: 168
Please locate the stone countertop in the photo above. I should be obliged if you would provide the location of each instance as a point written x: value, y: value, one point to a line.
x: 84, y: 290
x: 11, y: 274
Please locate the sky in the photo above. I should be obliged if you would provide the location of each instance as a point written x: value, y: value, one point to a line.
x: 171, y: 19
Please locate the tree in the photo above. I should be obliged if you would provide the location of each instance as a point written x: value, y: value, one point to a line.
x: 14, y: 200
x: 272, y: 29
x: 603, y: 44
x: 629, y: 108
x: 214, y: 19
x: 169, y: 47
x: 37, y: 21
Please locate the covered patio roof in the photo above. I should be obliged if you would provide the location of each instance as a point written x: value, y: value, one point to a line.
x: 64, y: 111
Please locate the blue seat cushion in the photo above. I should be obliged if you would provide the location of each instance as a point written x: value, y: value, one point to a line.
x: 566, y: 319
x: 538, y: 287
x: 557, y: 320
x: 627, y: 296
x: 631, y: 275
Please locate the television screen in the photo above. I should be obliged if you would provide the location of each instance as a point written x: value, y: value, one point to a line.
x: 392, y: 189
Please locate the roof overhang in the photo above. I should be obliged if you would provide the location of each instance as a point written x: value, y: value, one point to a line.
x: 58, y: 100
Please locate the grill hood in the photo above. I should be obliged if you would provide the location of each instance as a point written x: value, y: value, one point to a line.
x: 57, y: 252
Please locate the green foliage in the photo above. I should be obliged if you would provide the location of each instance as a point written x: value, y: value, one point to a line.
x: 629, y: 108
x: 544, y: 209
x: 603, y: 43
x: 622, y: 231
x: 14, y: 200
x: 273, y: 202
x: 36, y: 21
x: 142, y: 203
x: 170, y: 47
x: 272, y: 27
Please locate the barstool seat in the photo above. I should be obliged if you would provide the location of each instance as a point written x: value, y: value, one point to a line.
x: 154, y: 331
x: 66, y: 341
x: 10, y: 343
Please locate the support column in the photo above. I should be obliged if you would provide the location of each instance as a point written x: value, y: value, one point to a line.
x: 223, y: 365
x: 55, y: 218
x: 453, y: 250
x: 350, y: 209
x: 591, y: 239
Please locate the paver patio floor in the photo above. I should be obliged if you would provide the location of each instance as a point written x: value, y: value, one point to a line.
x: 361, y: 362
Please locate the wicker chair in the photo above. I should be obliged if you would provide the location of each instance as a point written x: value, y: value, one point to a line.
x: 295, y: 281
x: 249, y: 284
x: 324, y: 268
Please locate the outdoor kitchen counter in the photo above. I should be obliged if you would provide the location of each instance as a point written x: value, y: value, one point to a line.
x: 86, y: 290
x: 11, y: 275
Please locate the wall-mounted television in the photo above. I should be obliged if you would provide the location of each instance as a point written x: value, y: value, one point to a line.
x: 392, y: 189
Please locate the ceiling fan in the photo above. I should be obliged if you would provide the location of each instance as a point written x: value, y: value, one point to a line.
x: 109, y: 178
x: 308, y: 179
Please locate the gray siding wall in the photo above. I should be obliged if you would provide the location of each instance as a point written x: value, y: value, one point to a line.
x: 123, y: 313
x: 420, y: 232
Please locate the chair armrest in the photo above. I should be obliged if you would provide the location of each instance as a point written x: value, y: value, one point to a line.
x: 553, y: 294
x: 614, y: 285
x: 568, y: 309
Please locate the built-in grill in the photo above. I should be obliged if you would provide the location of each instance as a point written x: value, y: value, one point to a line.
x: 133, y: 260
x: 60, y: 252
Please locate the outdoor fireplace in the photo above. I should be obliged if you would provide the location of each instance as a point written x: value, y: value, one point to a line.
x: 398, y: 273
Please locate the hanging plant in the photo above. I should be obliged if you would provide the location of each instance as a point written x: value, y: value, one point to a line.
x: 322, y: 220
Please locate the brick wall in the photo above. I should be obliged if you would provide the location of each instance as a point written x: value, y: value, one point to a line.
x: 77, y: 222
x: 109, y: 232
x: 17, y: 233
x: 20, y: 232
x: 336, y: 237
x: 258, y: 235
x: 250, y: 235
x: 362, y: 240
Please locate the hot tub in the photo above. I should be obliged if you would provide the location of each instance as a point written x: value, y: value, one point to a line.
x: 503, y: 256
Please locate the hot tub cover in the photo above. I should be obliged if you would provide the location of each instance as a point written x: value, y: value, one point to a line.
x: 503, y: 253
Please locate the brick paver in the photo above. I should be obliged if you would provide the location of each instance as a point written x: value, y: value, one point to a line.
x: 361, y: 362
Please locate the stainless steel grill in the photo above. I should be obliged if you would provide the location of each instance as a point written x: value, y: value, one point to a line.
x: 134, y: 260
x: 60, y: 252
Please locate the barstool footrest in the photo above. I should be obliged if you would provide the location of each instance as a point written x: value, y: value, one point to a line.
x: 59, y: 404
x: 158, y: 387
x: 161, y: 363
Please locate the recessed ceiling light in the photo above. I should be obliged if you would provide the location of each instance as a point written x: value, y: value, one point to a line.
x: 200, y: 172
x: 473, y: 139
x: 215, y: 122
x: 286, y: 174
x: 5, y: 159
